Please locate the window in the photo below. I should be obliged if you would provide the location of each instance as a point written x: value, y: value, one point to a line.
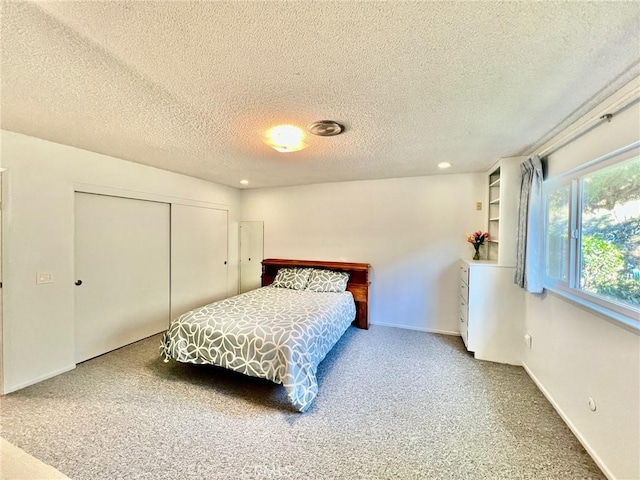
x: 592, y: 235
x: 557, y: 258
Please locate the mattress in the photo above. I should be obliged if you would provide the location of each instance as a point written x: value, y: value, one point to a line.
x: 275, y: 333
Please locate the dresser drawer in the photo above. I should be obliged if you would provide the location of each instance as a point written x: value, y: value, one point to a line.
x: 464, y: 292
x: 464, y: 273
x: 464, y: 333
x: 464, y: 312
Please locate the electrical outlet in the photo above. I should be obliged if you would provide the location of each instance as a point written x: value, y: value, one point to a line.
x: 44, y: 277
x: 527, y: 340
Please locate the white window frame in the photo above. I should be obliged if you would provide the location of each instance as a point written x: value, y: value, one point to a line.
x: 615, y: 311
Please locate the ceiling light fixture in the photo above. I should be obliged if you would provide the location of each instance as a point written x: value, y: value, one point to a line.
x: 244, y: 182
x: 326, y: 128
x: 285, y: 138
x: 444, y: 165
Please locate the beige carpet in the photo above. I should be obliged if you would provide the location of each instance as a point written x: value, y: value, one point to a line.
x: 393, y: 405
x: 16, y: 464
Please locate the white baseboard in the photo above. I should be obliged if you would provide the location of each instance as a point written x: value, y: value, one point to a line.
x: 47, y: 376
x: 409, y: 327
x: 571, y: 426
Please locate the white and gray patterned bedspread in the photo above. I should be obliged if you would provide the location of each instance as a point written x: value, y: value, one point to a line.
x: 274, y: 333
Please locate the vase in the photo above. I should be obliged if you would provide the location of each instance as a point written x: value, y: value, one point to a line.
x: 477, y: 255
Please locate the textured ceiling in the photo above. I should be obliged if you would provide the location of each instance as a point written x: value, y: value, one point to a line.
x: 191, y: 86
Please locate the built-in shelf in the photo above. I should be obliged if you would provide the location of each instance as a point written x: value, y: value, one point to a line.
x: 503, y: 198
x: 495, y: 191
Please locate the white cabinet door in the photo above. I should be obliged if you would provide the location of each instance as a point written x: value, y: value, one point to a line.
x: 122, y: 259
x: 251, y: 253
x: 495, y: 314
x: 198, y: 257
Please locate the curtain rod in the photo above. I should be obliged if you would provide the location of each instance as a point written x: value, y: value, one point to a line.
x: 605, y: 114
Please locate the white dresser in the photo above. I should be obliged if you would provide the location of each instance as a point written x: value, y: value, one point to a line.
x: 491, y: 311
x: 491, y: 306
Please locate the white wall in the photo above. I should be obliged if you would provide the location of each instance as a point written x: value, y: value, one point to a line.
x: 411, y: 231
x: 38, y: 336
x: 577, y: 354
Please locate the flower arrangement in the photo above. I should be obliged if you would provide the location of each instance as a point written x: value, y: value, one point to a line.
x: 477, y: 239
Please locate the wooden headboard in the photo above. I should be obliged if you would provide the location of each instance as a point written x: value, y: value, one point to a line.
x: 358, y: 283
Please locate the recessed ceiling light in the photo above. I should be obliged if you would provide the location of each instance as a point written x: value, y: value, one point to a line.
x: 444, y: 165
x: 244, y: 182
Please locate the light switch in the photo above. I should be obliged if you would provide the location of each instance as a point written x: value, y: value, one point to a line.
x: 478, y: 205
x: 44, y: 277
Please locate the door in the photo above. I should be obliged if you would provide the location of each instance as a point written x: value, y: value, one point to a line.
x: 251, y: 255
x: 122, y: 272
x: 198, y: 257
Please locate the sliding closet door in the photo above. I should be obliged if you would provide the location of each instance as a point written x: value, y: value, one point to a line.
x: 198, y: 257
x: 251, y: 255
x: 122, y: 272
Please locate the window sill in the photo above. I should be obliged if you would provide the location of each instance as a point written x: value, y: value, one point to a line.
x: 633, y: 325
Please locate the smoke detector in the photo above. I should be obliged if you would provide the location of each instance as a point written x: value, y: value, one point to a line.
x: 326, y: 128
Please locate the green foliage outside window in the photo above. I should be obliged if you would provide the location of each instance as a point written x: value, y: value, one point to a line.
x: 603, y: 271
x: 613, y: 186
x: 611, y: 245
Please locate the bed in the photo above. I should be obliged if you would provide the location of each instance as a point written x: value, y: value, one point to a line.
x: 281, y: 331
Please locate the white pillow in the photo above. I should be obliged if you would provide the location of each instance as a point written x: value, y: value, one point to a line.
x: 293, y: 278
x: 328, y: 281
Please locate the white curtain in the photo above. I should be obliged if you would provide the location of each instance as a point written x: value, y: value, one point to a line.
x: 530, y: 241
